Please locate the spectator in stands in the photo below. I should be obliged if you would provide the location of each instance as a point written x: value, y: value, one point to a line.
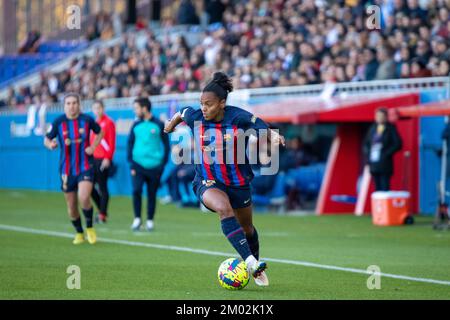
x: 215, y: 10
x: 380, y: 145
x: 267, y: 43
x: 141, y: 23
x: 386, y: 69
x: 187, y: 13
x: 370, y: 64
x: 31, y: 44
x: 419, y: 69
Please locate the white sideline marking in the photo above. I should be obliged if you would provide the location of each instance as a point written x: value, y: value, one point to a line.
x: 217, y: 253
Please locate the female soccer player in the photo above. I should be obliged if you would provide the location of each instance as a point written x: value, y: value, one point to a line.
x: 72, y: 130
x: 223, y: 185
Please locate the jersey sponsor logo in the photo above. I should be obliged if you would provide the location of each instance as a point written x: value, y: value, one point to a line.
x: 68, y: 141
x: 208, y: 183
x: 227, y: 137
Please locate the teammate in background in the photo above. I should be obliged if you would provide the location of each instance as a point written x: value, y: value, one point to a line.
x: 147, y: 153
x: 71, y: 131
x: 224, y: 187
x: 103, y: 156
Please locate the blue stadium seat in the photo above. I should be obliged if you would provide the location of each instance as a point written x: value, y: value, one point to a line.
x: 276, y: 197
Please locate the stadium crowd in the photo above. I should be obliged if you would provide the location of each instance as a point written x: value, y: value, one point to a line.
x: 265, y: 44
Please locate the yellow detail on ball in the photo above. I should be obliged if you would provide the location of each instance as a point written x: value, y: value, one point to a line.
x: 233, y: 274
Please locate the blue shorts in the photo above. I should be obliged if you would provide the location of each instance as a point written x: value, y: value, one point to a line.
x: 240, y: 197
x: 70, y: 183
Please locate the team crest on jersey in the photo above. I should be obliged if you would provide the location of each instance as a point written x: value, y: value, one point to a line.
x: 81, y: 130
x: 208, y: 183
x: 67, y: 142
x: 227, y: 137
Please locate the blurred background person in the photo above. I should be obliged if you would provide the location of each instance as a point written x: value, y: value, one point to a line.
x: 147, y: 153
x: 103, y: 155
x: 381, y: 143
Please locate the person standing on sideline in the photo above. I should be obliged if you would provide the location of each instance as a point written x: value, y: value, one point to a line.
x: 103, y: 156
x: 147, y: 153
x: 381, y: 143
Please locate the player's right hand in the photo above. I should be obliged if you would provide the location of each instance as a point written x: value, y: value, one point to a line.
x: 52, y: 145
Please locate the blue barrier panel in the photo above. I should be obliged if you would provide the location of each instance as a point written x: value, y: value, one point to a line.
x: 429, y: 162
x: 26, y: 163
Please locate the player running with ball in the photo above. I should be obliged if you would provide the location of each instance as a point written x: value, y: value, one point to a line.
x: 221, y: 185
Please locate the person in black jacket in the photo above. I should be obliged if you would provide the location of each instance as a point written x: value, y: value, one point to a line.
x: 187, y: 13
x: 380, y: 145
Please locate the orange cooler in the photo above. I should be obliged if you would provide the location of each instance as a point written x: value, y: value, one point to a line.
x: 390, y: 208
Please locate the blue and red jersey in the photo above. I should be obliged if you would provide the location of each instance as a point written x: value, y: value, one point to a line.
x: 222, y: 157
x: 73, y: 138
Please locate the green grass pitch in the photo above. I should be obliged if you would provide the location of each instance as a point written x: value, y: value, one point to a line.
x: 33, y: 266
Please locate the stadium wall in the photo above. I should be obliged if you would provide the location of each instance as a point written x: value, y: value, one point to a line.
x: 26, y: 164
x: 429, y: 163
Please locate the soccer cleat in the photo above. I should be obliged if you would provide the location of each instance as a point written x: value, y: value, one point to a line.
x: 262, y: 280
x: 258, y: 268
x: 91, y: 235
x: 136, y: 224
x: 79, y: 238
x: 150, y: 225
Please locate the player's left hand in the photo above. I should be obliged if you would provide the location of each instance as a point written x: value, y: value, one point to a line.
x: 89, y: 150
x: 168, y: 127
x: 105, y: 164
x: 278, y: 139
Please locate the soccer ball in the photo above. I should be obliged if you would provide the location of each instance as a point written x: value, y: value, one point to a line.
x: 233, y: 274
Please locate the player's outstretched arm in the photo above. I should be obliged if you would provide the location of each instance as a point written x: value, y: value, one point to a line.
x: 50, y: 144
x: 172, y: 123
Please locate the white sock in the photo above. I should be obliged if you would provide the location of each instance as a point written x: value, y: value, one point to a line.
x: 251, y: 262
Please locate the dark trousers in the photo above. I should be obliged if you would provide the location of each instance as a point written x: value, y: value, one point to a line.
x: 382, y: 181
x: 151, y: 177
x: 100, y: 193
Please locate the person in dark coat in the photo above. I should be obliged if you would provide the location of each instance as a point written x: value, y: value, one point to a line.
x: 381, y: 143
x: 187, y: 13
x: 215, y: 9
